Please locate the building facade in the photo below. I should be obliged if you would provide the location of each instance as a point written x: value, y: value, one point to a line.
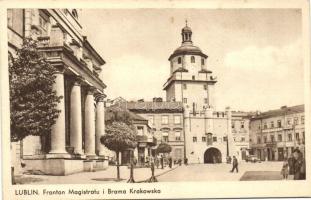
x: 276, y: 133
x: 73, y: 144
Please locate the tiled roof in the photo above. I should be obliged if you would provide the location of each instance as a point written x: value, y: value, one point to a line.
x: 155, y: 106
x: 280, y: 112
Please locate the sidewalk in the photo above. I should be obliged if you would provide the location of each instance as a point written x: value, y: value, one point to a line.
x: 98, y: 177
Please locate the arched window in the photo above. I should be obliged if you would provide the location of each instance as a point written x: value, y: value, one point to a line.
x: 209, y: 139
x: 179, y: 60
x: 192, y: 59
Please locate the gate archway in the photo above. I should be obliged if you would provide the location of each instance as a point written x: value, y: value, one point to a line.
x: 212, y: 155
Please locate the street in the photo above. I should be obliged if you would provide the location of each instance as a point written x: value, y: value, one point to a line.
x: 193, y: 172
x: 219, y: 172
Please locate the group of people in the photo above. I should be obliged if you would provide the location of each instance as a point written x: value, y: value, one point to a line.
x: 294, y: 167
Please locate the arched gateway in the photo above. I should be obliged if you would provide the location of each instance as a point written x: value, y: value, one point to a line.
x: 212, y: 155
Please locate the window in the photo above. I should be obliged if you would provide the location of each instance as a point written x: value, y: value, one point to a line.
x: 272, y: 138
x: 205, y: 100
x: 194, y: 139
x: 265, y: 139
x: 297, y: 136
x: 289, y: 121
x: 140, y: 130
x: 232, y: 124
x: 209, y: 139
x: 259, y: 127
x: 203, y: 139
x: 279, y: 124
x: 179, y: 60
x: 193, y: 77
x: 165, y: 119
x: 265, y: 125
x: 217, y: 114
x: 290, y: 137
x: 151, y: 119
x: 225, y: 139
x: 165, y: 138
x: 177, y: 119
x: 296, y: 121
x: 214, y: 139
x: 192, y: 59
x: 223, y: 114
x: 302, y: 119
x: 185, y: 100
x: 242, y: 124
x: 177, y: 135
x: 202, y: 61
x: 205, y: 87
x: 272, y: 124
x: 242, y: 139
x: 184, y: 86
x: 280, y: 138
x: 258, y: 140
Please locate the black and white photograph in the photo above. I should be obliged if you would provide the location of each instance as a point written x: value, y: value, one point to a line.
x: 154, y: 95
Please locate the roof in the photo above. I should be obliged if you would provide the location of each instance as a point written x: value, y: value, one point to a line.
x: 189, y: 49
x: 155, y: 107
x: 186, y: 29
x: 280, y: 112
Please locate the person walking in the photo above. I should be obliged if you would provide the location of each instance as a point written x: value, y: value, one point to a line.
x: 298, y: 165
x: 156, y: 161
x: 170, y: 162
x: 234, y: 164
x: 285, y: 170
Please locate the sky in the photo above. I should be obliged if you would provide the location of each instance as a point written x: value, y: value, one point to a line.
x: 256, y: 54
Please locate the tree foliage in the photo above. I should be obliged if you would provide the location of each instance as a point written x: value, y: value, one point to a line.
x: 32, y: 98
x: 164, y: 148
x: 119, y: 136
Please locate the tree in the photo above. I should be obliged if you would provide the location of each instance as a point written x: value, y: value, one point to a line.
x: 164, y: 148
x: 120, y: 133
x: 32, y: 98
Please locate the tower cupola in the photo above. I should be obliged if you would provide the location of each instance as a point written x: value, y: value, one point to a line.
x: 186, y: 34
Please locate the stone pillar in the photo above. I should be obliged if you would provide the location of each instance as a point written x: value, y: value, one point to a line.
x: 90, y: 124
x: 58, y: 138
x: 100, y: 124
x: 76, y: 117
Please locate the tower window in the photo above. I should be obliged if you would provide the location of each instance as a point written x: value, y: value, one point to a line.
x: 205, y: 100
x: 192, y: 59
x: 202, y: 61
x: 185, y: 100
x: 179, y: 60
x: 193, y: 77
x: 184, y: 86
x: 205, y: 87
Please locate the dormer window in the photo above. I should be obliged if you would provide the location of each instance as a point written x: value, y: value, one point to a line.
x: 192, y: 59
x: 179, y: 60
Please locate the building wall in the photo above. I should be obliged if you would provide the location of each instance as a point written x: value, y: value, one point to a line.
x: 277, y: 141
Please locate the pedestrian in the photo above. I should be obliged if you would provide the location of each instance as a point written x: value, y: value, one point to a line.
x: 170, y: 162
x: 186, y: 161
x: 162, y: 162
x: 290, y: 167
x: 156, y: 161
x: 298, y: 165
x: 235, y: 164
x: 285, y: 170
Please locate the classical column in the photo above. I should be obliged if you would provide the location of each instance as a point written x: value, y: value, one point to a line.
x: 58, y: 138
x: 100, y: 123
x: 76, y: 117
x: 90, y: 124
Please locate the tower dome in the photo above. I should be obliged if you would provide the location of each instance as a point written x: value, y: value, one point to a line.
x: 187, y: 47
